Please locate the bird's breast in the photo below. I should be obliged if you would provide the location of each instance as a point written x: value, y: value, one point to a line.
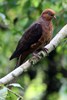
x: 46, y: 33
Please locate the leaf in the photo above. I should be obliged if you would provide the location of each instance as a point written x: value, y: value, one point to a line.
x: 2, y: 16
x: 16, y: 85
x: 3, y: 93
x: 63, y: 91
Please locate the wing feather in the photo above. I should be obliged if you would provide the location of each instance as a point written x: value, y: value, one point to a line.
x: 31, y: 36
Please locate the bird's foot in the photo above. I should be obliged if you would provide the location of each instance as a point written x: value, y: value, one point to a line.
x: 46, y: 50
x: 36, y: 55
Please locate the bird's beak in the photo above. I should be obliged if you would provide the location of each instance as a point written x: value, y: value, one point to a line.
x: 54, y: 17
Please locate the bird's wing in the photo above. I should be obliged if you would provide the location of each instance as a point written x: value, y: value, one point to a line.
x: 31, y: 36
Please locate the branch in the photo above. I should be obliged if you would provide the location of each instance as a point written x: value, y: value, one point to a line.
x: 54, y: 43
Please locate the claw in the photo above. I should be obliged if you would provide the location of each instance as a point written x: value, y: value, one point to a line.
x: 36, y: 55
x: 46, y: 50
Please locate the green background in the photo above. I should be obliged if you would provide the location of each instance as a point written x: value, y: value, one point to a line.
x: 47, y: 80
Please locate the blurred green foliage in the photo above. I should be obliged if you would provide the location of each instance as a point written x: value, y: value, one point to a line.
x: 46, y: 80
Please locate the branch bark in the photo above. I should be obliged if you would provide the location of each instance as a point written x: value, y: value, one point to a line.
x: 52, y: 45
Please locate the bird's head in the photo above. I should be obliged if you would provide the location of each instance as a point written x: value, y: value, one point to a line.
x: 48, y: 14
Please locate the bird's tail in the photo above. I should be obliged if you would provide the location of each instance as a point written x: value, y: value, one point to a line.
x: 14, y: 55
x: 21, y: 59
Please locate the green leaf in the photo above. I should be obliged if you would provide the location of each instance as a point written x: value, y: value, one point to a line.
x: 16, y: 85
x: 3, y: 93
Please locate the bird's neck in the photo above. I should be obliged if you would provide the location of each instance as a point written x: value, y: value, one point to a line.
x: 47, y: 22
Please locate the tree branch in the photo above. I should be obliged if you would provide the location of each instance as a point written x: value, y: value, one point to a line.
x: 52, y: 45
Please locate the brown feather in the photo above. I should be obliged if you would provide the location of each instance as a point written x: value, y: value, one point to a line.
x: 36, y: 36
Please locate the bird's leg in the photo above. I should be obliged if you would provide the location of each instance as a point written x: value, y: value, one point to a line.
x: 45, y: 49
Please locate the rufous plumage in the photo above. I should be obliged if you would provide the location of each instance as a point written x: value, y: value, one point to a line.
x: 35, y: 37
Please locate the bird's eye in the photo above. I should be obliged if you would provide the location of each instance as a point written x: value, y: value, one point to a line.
x: 50, y: 14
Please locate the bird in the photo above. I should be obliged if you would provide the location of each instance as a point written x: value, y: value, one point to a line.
x: 35, y: 37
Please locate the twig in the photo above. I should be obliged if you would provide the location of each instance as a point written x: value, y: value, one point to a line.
x: 15, y: 93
